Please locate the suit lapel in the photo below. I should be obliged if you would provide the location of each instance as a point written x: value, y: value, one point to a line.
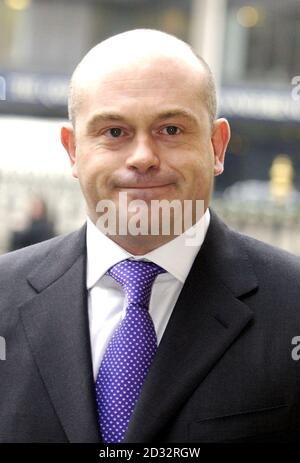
x: 56, y: 325
x: 206, y: 320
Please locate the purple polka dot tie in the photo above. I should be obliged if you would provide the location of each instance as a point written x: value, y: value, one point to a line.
x: 130, y: 351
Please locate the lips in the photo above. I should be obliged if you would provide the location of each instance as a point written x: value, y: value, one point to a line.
x: 143, y: 187
x: 147, y: 191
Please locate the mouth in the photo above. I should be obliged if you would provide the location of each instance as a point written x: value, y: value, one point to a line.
x: 148, y: 191
x: 145, y: 187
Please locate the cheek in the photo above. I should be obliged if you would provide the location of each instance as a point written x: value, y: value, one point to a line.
x: 198, y: 175
x: 90, y: 164
x: 95, y: 171
x: 199, y: 167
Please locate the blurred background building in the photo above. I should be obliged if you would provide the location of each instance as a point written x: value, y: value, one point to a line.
x: 253, y: 50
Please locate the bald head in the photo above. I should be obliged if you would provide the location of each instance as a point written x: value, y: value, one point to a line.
x: 138, y: 48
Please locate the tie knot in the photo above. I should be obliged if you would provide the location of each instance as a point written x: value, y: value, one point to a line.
x: 136, y: 278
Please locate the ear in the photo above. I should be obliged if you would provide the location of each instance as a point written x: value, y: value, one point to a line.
x: 67, y: 137
x: 220, y: 139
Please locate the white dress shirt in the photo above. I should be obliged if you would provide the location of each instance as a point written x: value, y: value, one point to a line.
x: 106, y: 299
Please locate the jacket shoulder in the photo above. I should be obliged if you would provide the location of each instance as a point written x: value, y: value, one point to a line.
x: 268, y: 256
x: 18, y: 264
x: 242, y: 261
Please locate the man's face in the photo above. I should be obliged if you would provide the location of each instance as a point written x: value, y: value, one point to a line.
x: 145, y: 130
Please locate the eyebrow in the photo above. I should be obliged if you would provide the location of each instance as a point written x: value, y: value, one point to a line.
x: 168, y: 114
x: 99, y: 118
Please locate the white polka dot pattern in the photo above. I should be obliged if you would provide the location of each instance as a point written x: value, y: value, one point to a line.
x: 130, y: 351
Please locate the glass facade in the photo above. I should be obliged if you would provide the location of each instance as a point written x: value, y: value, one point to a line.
x: 262, y: 42
x: 260, y: 60
x: 50, y: 36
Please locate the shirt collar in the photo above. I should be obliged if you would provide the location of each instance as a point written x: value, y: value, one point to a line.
x: 176, y: 256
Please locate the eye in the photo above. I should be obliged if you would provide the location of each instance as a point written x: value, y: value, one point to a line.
x: 115, y: 132
x: 171, y: 130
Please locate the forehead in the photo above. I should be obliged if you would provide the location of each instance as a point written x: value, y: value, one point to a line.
x: 139, y: 85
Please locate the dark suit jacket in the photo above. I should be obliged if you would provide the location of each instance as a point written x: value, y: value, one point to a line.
x: 223, y: 370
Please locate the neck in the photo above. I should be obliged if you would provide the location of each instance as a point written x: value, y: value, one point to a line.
x: 140, y: 245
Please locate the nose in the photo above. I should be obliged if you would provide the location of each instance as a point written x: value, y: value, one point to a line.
x: 143, y: 155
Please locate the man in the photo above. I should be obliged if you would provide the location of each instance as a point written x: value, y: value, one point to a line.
x: 224, y: 310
